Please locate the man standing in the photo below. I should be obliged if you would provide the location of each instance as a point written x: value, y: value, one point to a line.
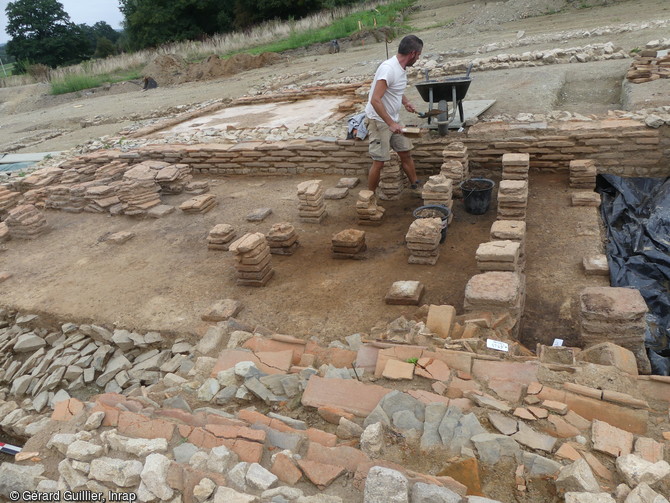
x: 384, y: 101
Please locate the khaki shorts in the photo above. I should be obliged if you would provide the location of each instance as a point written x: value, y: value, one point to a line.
x: 382, y: 141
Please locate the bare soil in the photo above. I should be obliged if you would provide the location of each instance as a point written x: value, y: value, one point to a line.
x: 165, y: 277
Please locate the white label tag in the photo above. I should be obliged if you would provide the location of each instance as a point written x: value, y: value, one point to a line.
x: 497, y: 345
x: 558, y: 342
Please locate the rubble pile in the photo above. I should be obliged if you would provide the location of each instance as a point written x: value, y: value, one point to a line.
x: 648, y: 66
x: 349, y: 244
x: 312, y: 206
x: 368, y: 211
x: 233, y: 417
x: 220, y: 236
x: 26, y: 222
x: 253, y: 260
x: 282, y: 239
x: 423, y: 241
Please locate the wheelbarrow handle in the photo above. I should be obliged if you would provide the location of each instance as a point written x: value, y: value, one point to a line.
x: 467, y: 73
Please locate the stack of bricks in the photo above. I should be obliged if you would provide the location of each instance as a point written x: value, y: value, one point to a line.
x: 498, y: 256
x: 283, y: 239
x: 585, y: 198
x: 455, y: 162
x: 26, y: 222
x: 172, y: 178
x: 349, y: 244
x: 392, y: 180
x: 438, y: 189
x: 312, y: 208
x: 58, y: 198
x: 220, y: 236
x: 8, y: 199
x: 138, y: 192
x: 100, y: 198
x: 515, y: 166
x: 423, y: 241
x: 511, y: 230
x: 110, y: 171
x: 616, y: 315
x: 649, y: 65
x: 498, y: 292
x: 4, y: 232
x: 583, y: 174
x: 369, y: 212
x: 253, y: 264
x: 512, y: 199
x: 198, y: 204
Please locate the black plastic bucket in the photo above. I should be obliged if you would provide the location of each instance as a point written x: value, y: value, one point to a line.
x: 444, y: 212
x: 477, y: 195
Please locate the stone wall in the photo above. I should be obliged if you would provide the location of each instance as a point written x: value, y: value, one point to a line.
x: 619, y: 146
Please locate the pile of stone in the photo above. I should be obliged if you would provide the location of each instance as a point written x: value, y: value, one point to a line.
x: 59, y: 198
x: 497, y: 291
x: 512, y: 230
x: 617, y: 315
x: 367, y: 209
x: 312, y: 207
x: 648, y: 66
x: 282, y: 239
x: 199, y: 204
x: 515, y: 166
x: 392, y: 179
x: 512, y: 199
x: 349, y: 244
x: 455, y: 162
x: 26, y: 222
x: 199, y: 187
x: 4, y: 232
x: 100, y: 198
x: 583, y: 174
x: 220, y: 237
x: 500, y: 255
x: 8, y: 199
x: 137, y: 196
x: 111, y: 171
x: 423, y: 241
x: 438, y: 189
x: 173, y: 178
x: 253, y: 260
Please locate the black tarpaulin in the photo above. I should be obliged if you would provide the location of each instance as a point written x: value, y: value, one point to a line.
x: 636, y: 213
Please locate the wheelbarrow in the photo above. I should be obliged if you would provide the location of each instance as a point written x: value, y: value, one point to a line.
x: 441, y: 92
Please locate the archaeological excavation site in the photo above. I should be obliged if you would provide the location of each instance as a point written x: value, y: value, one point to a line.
x: 201, y: 301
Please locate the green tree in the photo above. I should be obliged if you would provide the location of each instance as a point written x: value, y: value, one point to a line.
x: 42, y: 32
x: 104, y: 47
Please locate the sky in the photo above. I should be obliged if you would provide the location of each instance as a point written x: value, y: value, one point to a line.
x: 80, y: 11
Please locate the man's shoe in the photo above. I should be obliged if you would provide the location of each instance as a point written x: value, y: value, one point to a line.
x: 417, y: 185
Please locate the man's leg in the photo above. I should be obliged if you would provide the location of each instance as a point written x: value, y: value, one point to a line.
x: 374, y: 175
x: 407, y: 164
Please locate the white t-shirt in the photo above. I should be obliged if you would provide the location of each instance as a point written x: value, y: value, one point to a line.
x: 396, y: 82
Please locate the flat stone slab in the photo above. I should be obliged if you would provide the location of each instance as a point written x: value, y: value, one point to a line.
x: 120, y: 237
x: 493, y: 288
x: 336, y: 193
x: 259, y: 214
x: 596, y: 265
x: 347, y: 394
x: 222, y: 310
x: 160, y: 211
x: 604, y: 303
x: 349, y: 183
x: 406, y: 293
x: 530, y: 438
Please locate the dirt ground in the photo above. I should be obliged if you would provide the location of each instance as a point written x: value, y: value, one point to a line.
x: 164, y: 278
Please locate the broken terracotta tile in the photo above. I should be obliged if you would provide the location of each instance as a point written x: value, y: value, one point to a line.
x: 333, y: 414
x: 320, y: 474
x: 561, y: 428
x: 598, y: 468
x: 284, y: 468
x: 649, y: 449
x: 431, y: 368
x: 506, y: 389
x: 566, y: 451
x: 397, y: 370
x: 465, y: 471
x: 347, y: 394
x: 534, y: 388
x: 524, y: 414
x: 554, y: 406
x: 539, y: 412
x: 610, y: 439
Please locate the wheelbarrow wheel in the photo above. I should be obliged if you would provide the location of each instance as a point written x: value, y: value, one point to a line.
x: 443, y: 118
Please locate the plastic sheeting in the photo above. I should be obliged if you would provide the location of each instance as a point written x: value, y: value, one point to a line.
x: 636, y: 213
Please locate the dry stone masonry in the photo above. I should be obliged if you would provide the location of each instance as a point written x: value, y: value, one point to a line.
x: 455, y: 163
x: 368, y: 211
x: 502, y: 255
x: 199, y: 204
x: 282, y: 239
x: 515, y: 166
x: 220, y: 236
x: 512, y: 199
x: 349, y: 244
x: 617, y: 315
x: 423, y: 241
x: 438, y: 189
x: 392, y: 180
x: 26, y: 222
x: 312, y: 206
x: 253, y: 260
x: 583, y: 174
